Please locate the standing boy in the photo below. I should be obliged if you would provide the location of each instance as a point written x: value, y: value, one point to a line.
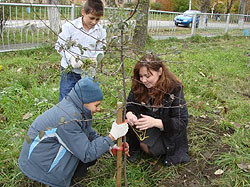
x: 80, y: 39
x: 61, y: 142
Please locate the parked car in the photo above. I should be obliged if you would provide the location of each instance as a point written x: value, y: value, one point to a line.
x: 186, y: 19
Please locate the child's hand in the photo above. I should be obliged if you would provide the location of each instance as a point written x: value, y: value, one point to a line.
x: 93, y: 60
x: 75, y: 62
x: 123, y: 148
x: 119, y: 130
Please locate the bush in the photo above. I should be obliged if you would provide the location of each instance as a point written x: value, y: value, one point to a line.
x: 155, y: 6
x: 128, y: 5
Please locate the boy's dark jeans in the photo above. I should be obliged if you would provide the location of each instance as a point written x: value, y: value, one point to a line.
x: 68, y: 81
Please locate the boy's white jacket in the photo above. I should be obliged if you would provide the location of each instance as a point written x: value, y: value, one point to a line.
x: 91, y: 41
x: 59, y: 139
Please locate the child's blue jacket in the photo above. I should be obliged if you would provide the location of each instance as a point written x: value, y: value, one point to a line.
x: 58, y: 140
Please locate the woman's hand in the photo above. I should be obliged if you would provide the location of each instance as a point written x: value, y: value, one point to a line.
x: 147, y: 122
x: 132, y: 119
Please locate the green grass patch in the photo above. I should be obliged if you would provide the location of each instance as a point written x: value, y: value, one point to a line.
x: 215, y: 73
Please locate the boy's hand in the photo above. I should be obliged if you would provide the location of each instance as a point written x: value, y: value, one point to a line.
x: 123, y: 148
x: 75, y: 62
x: 119, y: 130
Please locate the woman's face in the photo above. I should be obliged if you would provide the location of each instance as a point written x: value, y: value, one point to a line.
x: 149, y: 78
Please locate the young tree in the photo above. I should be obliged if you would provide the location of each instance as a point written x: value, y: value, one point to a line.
x: 141, y: 30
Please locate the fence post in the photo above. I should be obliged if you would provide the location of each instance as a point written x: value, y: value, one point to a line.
x: 193, y: 25
x: 227, y: 23
x: 241, y: 21
x: 72, y: 11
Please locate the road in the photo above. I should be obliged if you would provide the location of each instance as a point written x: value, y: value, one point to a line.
x: 152, y: 24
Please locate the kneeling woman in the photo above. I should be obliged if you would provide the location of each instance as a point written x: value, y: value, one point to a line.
x: 157, y: 113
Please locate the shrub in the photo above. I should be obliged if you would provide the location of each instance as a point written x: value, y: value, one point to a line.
x: 155, y: 6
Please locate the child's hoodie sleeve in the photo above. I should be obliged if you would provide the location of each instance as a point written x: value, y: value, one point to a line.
x: 77, y: 142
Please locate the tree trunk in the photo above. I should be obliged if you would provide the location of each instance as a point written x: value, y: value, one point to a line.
x: 141, y: 28
x: 229, y: 6
x: 204, y: 7
x: 4, y: 13
x: 242, y: 8
x: 54, y: 16
x: 111, y: 3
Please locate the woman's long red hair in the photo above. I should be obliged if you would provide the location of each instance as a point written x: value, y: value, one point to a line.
x: 166, y: 84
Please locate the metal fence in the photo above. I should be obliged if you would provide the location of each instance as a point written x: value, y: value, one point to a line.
x: 25, y: 26
x: 162, y: 25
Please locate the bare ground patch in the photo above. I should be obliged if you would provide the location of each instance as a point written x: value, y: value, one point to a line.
x: 205, y: 146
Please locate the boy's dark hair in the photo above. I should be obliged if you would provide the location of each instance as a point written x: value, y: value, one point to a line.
x: 95, y: 7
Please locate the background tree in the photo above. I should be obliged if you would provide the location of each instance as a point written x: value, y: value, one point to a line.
x: 180, y: 5
x: 204, y: 8
x: 4, y: 12
x: 54, y: 16
x: 229, y: 6
x: 141, y: 31
x: 111, y: 3
x: 242, y: 8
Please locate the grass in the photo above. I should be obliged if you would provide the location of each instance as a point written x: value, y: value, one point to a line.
x: 183, y: 31
x: 215, y: 73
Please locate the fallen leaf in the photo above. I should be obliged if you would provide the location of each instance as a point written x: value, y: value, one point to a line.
x: 197, y: 107
x: 217, y: 112
x: 1, y: 67
x: 237, y: 125
x: 41, y: 134
x: 203, y: 116
x: 202, y: 74
x: 219, y: 172
x: 227, y: 135
x: 237, y: 147
x: 28, y: 139
x: 19, y: 70
x: 153, y: 162
x: 2, y: 118
x: 225, y: 110
x: 62, y: 120
x: 27, y: 115
x: 243, y: 166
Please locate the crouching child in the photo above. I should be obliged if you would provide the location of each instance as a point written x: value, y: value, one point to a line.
x: 61, y: 143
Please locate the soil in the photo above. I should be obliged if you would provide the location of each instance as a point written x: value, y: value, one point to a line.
x: 200, y: 170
